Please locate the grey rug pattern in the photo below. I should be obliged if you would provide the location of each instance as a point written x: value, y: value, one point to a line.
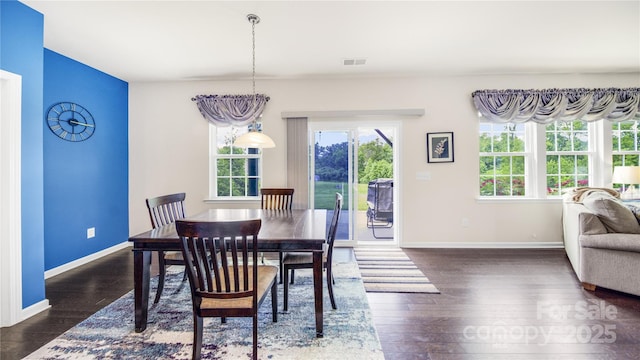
x: 109, y: 334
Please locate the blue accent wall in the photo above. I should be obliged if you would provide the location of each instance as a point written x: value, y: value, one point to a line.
x: 66, y: 187
x: 21, y: 44
x: 85, y: 182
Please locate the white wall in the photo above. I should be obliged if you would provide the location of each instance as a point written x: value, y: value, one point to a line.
x: 168, y: 144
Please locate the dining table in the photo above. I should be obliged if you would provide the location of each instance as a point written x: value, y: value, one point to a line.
x: 299, y: 230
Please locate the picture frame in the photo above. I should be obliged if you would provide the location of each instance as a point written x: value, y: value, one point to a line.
x: 440, y: 147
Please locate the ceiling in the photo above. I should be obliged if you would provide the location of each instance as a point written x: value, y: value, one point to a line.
x: 211, y: 40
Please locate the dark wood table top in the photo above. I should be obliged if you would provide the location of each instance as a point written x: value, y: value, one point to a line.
x: 282, y: 230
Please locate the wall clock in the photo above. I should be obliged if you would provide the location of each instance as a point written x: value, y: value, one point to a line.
x: 70, y: 121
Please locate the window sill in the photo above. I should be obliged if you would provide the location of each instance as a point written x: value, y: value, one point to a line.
x: 523, y: 200
x: 234, y: 201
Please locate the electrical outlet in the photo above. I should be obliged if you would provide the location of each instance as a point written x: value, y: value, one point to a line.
x: 91, y: 232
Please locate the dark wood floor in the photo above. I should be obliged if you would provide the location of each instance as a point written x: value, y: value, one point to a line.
x: 73, y: 296
x: 494, y: 304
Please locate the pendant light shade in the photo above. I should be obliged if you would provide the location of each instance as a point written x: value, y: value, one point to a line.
x: 254, y: 138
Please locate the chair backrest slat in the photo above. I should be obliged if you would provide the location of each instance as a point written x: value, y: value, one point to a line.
x: 200, y: 267
x: 276, y: 198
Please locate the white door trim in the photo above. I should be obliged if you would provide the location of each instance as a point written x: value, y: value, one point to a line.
x: 10, y: 199
x: 352, y: 125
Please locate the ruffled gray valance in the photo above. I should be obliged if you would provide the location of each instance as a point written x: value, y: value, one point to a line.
x: 231, y: 110
x: 546, y: 106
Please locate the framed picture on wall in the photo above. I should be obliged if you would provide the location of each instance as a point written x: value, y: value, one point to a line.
x: 440, y: 147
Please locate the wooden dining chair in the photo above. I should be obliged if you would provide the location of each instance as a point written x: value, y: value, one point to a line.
x: 221, y: 260
x: 165, y: 210
x: 276, y: 199
x: 298, y: 260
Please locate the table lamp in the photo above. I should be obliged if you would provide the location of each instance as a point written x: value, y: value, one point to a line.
x: 626, y: 175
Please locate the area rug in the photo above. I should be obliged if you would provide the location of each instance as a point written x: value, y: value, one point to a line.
x: 109, y: 334
x: 391, y: 270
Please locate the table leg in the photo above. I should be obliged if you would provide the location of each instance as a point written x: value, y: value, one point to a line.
x: 141, y: 264
x: 317, y: 291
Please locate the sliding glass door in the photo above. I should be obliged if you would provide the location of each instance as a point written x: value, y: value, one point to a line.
x: 357, y: 162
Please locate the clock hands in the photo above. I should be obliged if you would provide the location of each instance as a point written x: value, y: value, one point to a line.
x: 72, y: 121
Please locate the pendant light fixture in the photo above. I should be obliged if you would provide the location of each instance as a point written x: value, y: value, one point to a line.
x: 254, y: 138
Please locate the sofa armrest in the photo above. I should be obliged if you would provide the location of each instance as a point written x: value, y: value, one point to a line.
x: 590, y: 224
x: 612, y: 241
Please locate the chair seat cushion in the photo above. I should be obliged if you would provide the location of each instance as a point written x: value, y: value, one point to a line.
x: 266, y: 276
x: 173, y: 255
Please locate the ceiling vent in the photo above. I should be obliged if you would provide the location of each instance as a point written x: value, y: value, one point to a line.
x: 359, y: 61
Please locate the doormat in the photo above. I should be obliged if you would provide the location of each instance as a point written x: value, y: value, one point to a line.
x: 391, y: 270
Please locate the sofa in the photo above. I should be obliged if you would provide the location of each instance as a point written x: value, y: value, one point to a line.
x: 602, y: 239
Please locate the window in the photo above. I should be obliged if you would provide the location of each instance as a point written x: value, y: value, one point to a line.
x: 557, y: 155
x: 502, y: 159
x: 235, y: 172
x: 625, y: 143
x: 575, y: 154
x: 567, y: 154
x: 509, y: 156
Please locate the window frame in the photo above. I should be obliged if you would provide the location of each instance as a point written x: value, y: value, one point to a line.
x: 588, y: 152
x: 526, y: 154
x: 600, y: 155
x: 213, y: 165
x: 625, y: 153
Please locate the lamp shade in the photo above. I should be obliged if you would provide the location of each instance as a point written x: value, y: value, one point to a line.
x: 626, y: 175
x: 254, y: 139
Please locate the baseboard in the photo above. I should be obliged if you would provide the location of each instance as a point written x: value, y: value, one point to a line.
x: 34, y: 309
x: 487, y: 245
x: 85, y: 260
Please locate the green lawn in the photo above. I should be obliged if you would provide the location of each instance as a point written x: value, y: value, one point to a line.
x: 325, y: 195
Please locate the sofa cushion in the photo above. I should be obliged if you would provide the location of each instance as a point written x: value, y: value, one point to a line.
x: 590, y: 224
x: 635, y: 210
x: 613, y: 213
